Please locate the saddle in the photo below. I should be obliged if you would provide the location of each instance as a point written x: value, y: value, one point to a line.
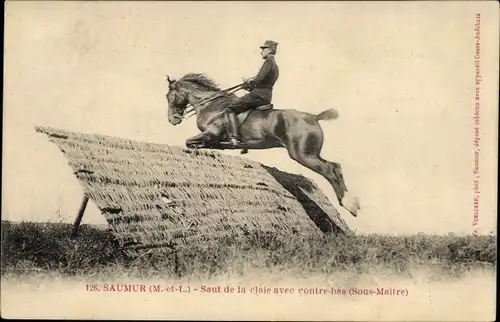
x: 244, y: 115
x: 264, y: 107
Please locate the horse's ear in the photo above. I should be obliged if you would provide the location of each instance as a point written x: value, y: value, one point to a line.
x: 171, y: 82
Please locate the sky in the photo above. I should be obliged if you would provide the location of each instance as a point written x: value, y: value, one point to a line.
x: 401, y: 75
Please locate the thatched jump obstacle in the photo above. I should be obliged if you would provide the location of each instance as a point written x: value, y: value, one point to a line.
x: 161, y: 197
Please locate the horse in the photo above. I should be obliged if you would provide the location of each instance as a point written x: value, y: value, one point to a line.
x: 262, y: 128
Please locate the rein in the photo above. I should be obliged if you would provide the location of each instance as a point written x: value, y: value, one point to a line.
x: 192, y: 108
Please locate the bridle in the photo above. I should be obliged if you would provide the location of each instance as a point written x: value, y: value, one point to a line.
x: 191, y: 108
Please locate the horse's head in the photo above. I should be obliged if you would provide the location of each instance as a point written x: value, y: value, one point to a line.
x: 191, y: 87
x: 177, y: 101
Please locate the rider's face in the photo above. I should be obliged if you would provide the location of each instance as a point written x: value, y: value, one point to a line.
x: 265, y: 52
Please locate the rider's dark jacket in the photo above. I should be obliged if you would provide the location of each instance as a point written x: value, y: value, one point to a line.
x: 262, y: 84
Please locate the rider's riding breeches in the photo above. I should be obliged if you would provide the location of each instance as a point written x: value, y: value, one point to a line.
x: 246, y: 102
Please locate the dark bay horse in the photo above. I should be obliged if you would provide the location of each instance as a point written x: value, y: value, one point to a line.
x: 298, y: 132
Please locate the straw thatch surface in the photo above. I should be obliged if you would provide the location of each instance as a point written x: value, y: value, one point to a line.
x: 163, y: 197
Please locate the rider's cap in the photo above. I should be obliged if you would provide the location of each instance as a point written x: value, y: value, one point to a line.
x: 270, y: 44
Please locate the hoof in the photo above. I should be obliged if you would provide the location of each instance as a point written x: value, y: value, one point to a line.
x: 351, y: 203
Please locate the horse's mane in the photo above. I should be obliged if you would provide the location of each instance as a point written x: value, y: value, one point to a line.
x: 201, y: 80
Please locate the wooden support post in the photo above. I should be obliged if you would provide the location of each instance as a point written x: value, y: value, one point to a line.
x: 79, y: 217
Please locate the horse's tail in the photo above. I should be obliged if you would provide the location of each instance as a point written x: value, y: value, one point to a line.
x: 329, y: 114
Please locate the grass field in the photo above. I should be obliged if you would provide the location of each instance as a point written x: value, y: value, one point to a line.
x: 46, y: 248
x: 448, y: 278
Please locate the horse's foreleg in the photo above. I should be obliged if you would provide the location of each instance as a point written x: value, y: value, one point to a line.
x: 201, y: 140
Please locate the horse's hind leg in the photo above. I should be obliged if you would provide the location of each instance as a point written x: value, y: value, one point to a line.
x: 347, y: 200
x: 305, y: 147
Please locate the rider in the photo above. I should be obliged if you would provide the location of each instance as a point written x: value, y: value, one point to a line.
x: 260, y: 89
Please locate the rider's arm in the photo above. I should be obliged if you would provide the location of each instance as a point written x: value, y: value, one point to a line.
x: 264, y: 70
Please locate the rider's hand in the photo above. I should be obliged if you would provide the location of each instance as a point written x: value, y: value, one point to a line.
x: 248, y: 80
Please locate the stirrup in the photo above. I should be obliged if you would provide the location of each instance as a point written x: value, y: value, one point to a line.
x: 236, y: 141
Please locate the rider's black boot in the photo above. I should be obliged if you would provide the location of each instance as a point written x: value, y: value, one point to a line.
x: 235, y: 133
